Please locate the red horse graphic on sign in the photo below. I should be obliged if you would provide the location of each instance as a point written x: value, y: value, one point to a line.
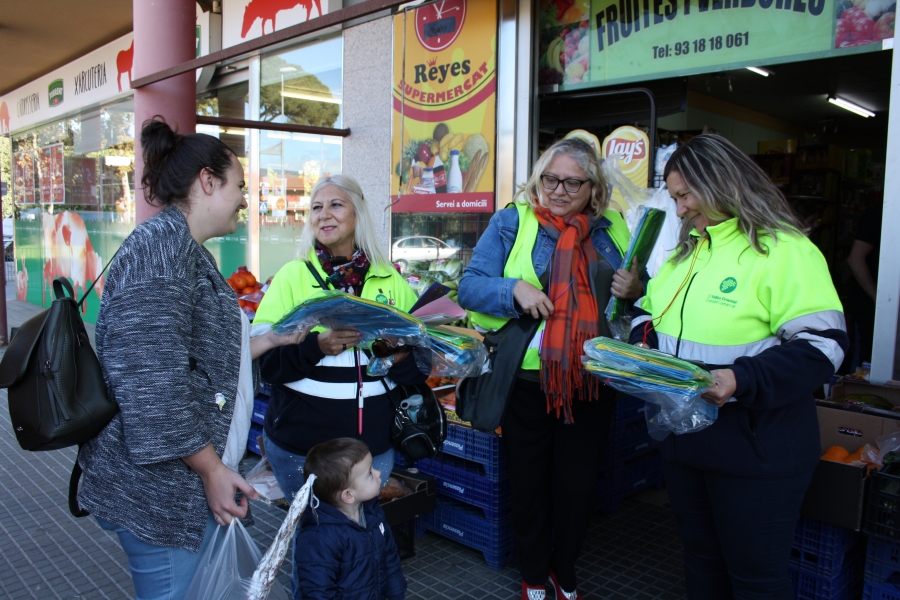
x: 4, y: 118
x: 268, y: 9
x: 124, y: 64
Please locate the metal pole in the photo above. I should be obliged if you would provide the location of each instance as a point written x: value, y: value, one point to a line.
x: 4, y: 331
x: 886, y: 298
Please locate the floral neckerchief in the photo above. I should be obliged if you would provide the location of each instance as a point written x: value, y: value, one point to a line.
x: 344, y: 274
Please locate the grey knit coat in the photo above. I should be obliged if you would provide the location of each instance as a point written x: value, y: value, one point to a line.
x: 169, y: 340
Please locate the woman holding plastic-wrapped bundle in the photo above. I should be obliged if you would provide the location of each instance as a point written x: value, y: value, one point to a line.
x: 316, y: 383
x: 554, y: 256
x: 749, y: 295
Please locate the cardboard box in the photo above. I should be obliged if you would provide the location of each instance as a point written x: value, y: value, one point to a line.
x: 837, y: 493
x: 776, y: 147
x: 422, y: 500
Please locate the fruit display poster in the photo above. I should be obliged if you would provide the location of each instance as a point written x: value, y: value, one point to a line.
x: 445, y: 108
x: 23, y: 177
x: 52, y: 184
x: 586, y: 43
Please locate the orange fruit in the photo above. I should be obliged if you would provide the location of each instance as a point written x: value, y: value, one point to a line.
x: 248, y: 290
x: 856, y: 456
x: 249, y: 279
x: 838, y: 451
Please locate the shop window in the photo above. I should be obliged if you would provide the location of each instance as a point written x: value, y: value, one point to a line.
x: 232, y: 102
x: 73, y: 190
x: 303, y: 86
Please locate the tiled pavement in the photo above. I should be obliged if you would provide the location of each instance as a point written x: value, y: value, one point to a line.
x: 47, y: 553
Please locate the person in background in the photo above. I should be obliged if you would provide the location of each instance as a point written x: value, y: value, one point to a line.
x: 345, y: 549
x: 749, y: 295
x: 863, y: 262
x: 175, y: 351
x: 555, y: 255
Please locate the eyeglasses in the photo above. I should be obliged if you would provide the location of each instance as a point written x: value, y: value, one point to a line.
x: 570, y: 185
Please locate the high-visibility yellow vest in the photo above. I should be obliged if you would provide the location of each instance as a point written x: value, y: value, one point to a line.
x: 520, y: 266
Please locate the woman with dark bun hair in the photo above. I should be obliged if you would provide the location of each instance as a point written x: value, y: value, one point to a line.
x: 176, y: 356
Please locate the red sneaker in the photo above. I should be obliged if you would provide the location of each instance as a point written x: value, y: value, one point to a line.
x: 534, y: 592
x: 560, y: 593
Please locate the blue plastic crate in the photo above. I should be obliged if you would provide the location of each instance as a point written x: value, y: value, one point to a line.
x: 265, y: 388
x: 483, y: 448
x: 883, y: 563
x: 466, y: 481
x: 464, y: 524
x: 845, y: 586
x: 632, y: 441
x: 821, y: 549
x: 880, y: 592
x: 260, y: 405
x: 252, y: 444
x: 628, y: 410
x: 636, y: 475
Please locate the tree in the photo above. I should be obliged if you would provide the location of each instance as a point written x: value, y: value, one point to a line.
x: 298, y: 111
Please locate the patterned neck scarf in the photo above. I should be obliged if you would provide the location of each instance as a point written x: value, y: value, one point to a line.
x: 345, y: 274
x: 575, y: 314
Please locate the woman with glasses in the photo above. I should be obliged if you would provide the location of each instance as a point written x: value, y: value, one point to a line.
x: 749, y: 295
x: 554, y: 255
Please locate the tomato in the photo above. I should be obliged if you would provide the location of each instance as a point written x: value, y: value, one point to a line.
x: 841, y: 32
x: 884, y: 27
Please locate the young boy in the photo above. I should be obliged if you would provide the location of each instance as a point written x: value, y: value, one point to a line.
x: 345, y: 549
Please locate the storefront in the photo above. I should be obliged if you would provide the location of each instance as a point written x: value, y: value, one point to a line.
x: 493, y: 81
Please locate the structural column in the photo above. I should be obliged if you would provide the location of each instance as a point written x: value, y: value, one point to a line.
x: 164, y: 36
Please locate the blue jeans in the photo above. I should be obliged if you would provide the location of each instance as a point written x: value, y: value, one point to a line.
x: 737, y: 531
x: 288, y: 467
x: 158, y: 572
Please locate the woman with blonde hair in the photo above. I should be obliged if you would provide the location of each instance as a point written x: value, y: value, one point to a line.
x: 554, y: 256
x: 749, y: 295
x: 317, y: 383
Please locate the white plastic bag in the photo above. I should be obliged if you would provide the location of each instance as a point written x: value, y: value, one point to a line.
x: 668, y: 236
x: 262, y: 478
x: 227, y: 566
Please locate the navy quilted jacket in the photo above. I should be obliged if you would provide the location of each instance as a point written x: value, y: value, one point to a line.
x: 337, y: 558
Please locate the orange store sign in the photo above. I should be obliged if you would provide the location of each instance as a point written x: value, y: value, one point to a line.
x: 444, y: 108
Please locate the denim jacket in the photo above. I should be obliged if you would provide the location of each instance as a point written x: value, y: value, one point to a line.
x: 483, y: 287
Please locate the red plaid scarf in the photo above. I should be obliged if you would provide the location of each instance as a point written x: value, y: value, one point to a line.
x: 575, y: 315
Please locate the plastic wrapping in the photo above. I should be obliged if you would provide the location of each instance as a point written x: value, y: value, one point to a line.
x: 632, y: 195
x: 643, y: 241
x: 227, y: 566
x: 456, y: 355
x: 671, y: 386
x: 262, y: 478
x: 337, y: 310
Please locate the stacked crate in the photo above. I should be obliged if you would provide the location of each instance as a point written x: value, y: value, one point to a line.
x: 260, y: 405
x: 882, y: 577
x: 630, y: 464
x: 473, y: 505
x: 826, y: 562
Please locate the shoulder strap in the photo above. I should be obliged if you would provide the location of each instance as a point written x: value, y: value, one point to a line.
x: 316, y: 276
x: 76, y: 510
x: 93, y: 283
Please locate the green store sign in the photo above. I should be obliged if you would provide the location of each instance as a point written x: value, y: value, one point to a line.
x: 588, y: 43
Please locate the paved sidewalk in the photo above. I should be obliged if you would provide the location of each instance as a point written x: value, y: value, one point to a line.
x: 633, y: 555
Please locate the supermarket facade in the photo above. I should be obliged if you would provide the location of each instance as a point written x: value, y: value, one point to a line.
x: 386, y: 91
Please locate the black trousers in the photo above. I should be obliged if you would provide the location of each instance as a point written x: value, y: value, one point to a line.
x: 737, y: 532
x: 553, y: 470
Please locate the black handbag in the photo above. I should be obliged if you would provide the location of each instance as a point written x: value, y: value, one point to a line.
x: 424, y: 436
x: 482, y: 400
x: 57, y: 395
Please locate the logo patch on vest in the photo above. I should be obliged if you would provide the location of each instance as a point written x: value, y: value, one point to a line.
x: 728, y: 285
x: 381, y: 298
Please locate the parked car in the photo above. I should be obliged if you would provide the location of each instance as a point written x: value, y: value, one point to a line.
x: 420, y: 247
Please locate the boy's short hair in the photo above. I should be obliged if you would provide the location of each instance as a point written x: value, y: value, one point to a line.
x: 331, y: 462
